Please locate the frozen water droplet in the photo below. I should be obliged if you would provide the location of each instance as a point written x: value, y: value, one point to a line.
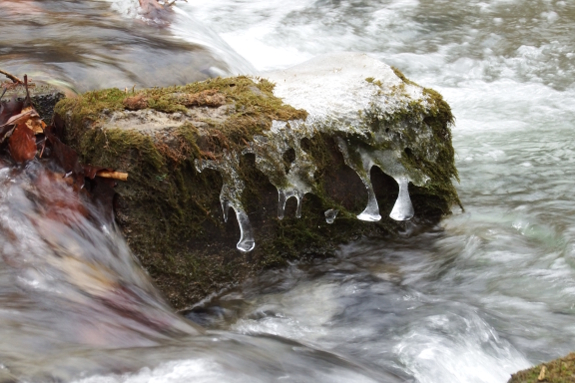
x: 330, y: 215
x: 402, y: 209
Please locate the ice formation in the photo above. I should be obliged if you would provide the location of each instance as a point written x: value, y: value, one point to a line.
x: 388, y: 162
x: 269, y: 150
x: 361, y: 102
x: 402, y: 209
x: 230, y: 195
x: 331, y: 215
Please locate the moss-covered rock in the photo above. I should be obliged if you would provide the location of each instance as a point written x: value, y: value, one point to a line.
x: 557, y: 371
x: 332, y: 139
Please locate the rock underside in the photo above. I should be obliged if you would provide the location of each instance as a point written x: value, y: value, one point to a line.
x: 232, y: 175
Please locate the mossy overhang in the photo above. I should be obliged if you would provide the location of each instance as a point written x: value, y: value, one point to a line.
x: 171, y: 213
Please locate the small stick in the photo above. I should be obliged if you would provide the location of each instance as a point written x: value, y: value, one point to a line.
x: 27, y: 91
x: 11, y: 77
x: 120, y: 176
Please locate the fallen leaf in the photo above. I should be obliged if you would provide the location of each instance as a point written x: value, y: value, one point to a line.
x: 34, y: 122
x: 211, y: 98
x: 9, y: 109
x: 22, y: 144
x: 136, y: 102
x: 21, y: 117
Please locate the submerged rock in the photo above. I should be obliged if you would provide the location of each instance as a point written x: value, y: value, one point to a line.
x: 357, y: 147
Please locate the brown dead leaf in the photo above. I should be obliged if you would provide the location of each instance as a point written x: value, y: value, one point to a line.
x: 136, y: 102
x: 21, y: 117
x: 211, y: 98
x: 22, y: 144
x: 57, y: 199
x: 33, y: 122
x: 9, y: 109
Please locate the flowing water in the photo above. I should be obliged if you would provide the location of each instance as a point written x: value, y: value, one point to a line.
x: 489, y: 291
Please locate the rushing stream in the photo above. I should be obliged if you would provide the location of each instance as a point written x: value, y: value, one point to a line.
x: 488, y: 292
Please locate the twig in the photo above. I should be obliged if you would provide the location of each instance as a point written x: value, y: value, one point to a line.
x: 28, y: 101
x: 120, y: 176
x: 11, y: 77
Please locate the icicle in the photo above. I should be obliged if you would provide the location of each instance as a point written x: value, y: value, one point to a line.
x: 402, y: 209
x: 283, y: 196
x: 230, y: 193
x: 246, y: 242
x: 371, y: 211
x: 330, y: 215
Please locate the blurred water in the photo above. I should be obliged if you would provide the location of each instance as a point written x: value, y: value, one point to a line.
x: 490, y: 291
x: 97, y: 44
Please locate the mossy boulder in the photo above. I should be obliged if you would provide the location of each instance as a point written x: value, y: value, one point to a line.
x: 333, y: 133
x: 560, y: 370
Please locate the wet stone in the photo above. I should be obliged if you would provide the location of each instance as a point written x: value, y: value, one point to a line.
x: 287, y: 153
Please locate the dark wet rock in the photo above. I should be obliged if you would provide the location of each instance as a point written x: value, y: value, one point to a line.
x: 226, y: 178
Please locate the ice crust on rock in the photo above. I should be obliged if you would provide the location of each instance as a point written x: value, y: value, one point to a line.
x: 298, y: 180
x: 357, y: 100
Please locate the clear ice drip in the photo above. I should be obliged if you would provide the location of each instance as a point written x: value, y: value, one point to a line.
x: 232, y: 189
x: 246, y: 242
x: 371, y: 211
x: 389, y: 163
x: 330, y: 215
x: 402, y: 209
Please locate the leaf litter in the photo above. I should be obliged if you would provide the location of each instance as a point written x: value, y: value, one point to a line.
x: 24, y: 137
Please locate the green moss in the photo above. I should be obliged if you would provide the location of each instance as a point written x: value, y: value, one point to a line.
x: 436, y: 114
x: 557, y: 371
x: 171, y: 214
x: 253, y: 107
x: 400, y: 74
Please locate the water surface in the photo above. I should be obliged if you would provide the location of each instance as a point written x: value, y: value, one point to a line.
x: 489, y: 291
